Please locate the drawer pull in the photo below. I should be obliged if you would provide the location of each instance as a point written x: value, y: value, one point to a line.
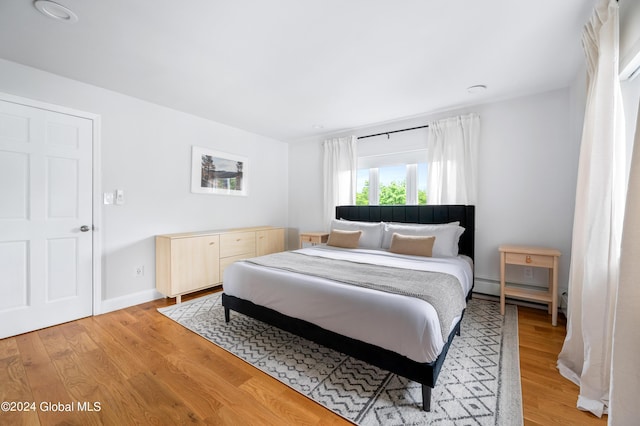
x: 528, y: 259
x: 212, y: 243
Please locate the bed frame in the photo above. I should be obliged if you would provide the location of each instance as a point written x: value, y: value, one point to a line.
x: 423, y: 373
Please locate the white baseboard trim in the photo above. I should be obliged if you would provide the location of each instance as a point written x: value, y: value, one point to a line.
x: 486, y: 286
x: 564, y: 302
x: 516, y: 302
x: 490, y: 289
x: 128, y: 300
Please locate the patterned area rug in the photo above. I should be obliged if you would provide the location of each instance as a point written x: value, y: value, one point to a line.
x: 479, y: 383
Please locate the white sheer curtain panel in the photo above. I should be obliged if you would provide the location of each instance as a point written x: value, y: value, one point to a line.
x: 625, y: 373
x: 585, y: 358
x: 452, y: 148
x: 340, y: 170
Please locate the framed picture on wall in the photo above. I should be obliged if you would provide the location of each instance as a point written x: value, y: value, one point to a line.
x: 214, y: 172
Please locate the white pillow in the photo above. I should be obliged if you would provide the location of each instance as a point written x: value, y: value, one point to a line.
x: 447, y: 236
x: 371, y: 237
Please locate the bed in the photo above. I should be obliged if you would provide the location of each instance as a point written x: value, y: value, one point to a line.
x: 368, y: 324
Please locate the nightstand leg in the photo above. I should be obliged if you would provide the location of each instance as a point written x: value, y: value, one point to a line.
x: 554, y: 300
x: 549, y: 305
x: 502, y: 271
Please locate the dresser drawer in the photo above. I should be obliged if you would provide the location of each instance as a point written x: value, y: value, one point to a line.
x: 237, y: 243
x: 229, y: 260
x: 529, y: 260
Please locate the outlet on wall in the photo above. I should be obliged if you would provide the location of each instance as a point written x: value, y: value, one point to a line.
x: 138, y: 271
x: 108, y: 197
x: 528, y: 273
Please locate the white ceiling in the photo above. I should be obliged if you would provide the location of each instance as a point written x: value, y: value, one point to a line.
x: 279, y: 67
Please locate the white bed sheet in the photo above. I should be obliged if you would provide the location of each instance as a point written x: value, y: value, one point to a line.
x: 402, y: 324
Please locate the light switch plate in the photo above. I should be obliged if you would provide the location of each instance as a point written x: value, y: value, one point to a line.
x: 108, y: 198
x: 119, y: 197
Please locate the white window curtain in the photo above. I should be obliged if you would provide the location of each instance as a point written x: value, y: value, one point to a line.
x: 452, y: 148
x: 585, y: 358
x: 340, y: 171
x: 625, y: 372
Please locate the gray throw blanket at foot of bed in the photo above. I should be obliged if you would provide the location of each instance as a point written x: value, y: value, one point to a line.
x: 440, y: 290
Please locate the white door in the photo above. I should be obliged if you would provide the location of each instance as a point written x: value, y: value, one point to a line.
x: 45, y: 218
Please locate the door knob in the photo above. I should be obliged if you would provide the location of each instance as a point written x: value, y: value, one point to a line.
x: 85, y: 228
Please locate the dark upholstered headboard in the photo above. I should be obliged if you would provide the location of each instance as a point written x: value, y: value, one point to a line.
x: 418, y: 214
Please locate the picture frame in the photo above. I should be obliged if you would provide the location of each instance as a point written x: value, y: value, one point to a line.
x: 215, y: 172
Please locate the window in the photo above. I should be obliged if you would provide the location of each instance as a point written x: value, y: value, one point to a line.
x: 362, y: 187
x: 422, y: 183
x: 392, y: 179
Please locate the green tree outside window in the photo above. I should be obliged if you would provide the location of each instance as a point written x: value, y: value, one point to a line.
x: 393, y: 194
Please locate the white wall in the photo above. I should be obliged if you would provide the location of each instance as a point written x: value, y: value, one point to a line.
x: 629, y: 31
x: 305, y: 189
x: 528, y: 172
x: 630, y: 48
x: 631, y: 98
x: 146, y: 151
x: 527, y: 175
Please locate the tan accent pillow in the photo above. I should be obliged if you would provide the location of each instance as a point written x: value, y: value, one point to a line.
x: 344, y: 239
x: 412, y: 244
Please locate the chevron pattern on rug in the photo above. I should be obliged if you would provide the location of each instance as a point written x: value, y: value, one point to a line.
x: 479, y: 383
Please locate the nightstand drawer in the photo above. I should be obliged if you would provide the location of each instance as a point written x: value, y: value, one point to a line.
x: 529, y: 260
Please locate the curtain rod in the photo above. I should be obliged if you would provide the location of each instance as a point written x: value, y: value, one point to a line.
x: 393, y: 131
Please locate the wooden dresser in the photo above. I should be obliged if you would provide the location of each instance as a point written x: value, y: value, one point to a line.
x: 194, y: 261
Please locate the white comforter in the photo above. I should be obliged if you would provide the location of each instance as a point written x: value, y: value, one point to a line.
x: 405, y: 325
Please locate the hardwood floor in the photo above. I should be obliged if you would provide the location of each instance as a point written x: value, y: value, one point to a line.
x: 134, y: 366
x: 547, y: 397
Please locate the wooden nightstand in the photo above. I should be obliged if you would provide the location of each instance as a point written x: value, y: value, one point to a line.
x: 313, y: 238
x: 538, y: 257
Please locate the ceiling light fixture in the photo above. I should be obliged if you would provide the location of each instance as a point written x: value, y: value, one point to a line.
x: 318, y: 126
x: 479, y: 88
x: 55, y: 11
